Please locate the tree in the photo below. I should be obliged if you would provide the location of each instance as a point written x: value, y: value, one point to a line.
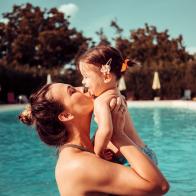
x: 102, y: 37
x: 152, y: 48
x: 35, y: 39
x: 33, y: 43
x: 156, y: 51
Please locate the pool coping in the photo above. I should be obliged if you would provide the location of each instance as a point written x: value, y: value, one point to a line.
x: 164, y: 104
x: 10, y: 107
x: 139, y: 104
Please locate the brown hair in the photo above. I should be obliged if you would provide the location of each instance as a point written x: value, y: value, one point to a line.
x: 100, y: 55
x: 43, y: 113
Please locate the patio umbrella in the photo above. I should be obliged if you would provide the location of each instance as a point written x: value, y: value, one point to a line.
x: 49, y: 79
x: 121, y: 84
x: 156, y: 82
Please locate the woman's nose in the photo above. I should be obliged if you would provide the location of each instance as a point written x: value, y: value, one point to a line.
x: 80, y: 89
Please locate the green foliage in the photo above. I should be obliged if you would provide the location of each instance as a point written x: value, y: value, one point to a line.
x: 102, y: 37
x: 36, y: 42
x: 26, y: 83
x: 34, y: 39
x: 156, y: 51
x: 152, y: 48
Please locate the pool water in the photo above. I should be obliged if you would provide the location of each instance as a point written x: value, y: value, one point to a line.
x: 27, y: 165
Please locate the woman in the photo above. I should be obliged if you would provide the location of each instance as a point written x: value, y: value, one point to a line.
x: 62, y: 116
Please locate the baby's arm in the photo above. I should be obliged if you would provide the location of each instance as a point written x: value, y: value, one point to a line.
x: 105, y: 127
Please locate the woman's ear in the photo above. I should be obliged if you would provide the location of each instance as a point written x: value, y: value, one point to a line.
x: 64, y: 116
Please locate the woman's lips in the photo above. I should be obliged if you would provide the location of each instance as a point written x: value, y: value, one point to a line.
x: 85, y: 90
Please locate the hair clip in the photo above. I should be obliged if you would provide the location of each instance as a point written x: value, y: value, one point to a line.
x: 124, y: 65
x: 105, y: 69
x: 130, y: 63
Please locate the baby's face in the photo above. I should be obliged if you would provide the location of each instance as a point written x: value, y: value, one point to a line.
x: 92, y: 78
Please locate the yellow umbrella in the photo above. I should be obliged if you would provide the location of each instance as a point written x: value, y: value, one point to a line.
x: 122, y: 84
x: 156, y: 82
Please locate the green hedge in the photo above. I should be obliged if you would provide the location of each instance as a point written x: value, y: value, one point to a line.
x: 174, y: 80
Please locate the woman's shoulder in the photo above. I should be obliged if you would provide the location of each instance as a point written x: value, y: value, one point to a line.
x: 79, y: 166
x: 90, y: 173
x: 73, y: 161
x: 71, y: 171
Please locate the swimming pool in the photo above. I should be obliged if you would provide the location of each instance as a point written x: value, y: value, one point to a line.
x: 27, y: 165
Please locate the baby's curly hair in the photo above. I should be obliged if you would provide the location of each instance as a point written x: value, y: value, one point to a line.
x: 42, y: 112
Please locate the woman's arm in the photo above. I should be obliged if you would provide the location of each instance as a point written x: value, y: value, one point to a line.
x: 136, y: 158
x: 98, y: 175
x: 131, y: 132
x: 143, y: 178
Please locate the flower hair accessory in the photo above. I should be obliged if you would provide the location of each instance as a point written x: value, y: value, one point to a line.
x: 105, y: 69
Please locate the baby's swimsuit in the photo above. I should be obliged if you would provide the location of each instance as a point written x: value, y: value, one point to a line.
x: 146, y: 150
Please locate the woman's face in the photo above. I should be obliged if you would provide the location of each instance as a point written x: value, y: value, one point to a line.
x: 75, y: 101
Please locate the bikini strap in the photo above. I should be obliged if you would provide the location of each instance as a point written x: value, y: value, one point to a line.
x: 78, y: 147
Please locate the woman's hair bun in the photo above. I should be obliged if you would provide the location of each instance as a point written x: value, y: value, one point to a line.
x: 26, y: 116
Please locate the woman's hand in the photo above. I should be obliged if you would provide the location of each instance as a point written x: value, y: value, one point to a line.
x: 108, y: 154
x: 118, y: 119
x: 121, y: 102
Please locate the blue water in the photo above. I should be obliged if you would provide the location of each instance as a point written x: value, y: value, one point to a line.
x: 27, y: 165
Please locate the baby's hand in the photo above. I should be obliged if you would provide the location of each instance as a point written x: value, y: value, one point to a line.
x: 108, y: 154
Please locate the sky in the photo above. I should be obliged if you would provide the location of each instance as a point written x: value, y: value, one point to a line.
x: 88, y: 16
